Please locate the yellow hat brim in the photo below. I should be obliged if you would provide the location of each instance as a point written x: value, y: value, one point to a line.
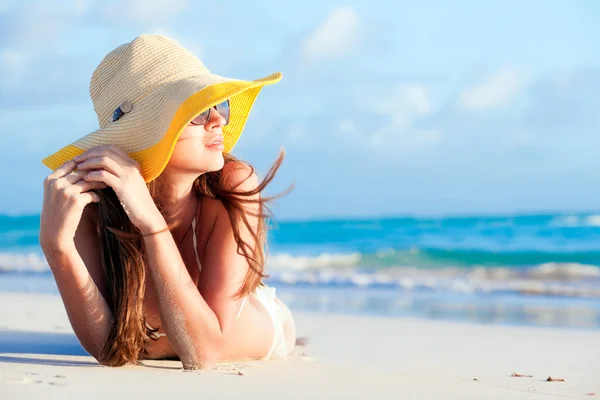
x: 154, y: 159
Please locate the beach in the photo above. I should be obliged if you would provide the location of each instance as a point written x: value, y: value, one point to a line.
x: 425, y: 175
x: 353, y: 356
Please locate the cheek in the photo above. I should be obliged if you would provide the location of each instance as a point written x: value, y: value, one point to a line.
x: 191, y: 154
x: 189, y: 151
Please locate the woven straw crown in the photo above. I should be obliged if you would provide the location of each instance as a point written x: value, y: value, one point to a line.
x: 156, y: 86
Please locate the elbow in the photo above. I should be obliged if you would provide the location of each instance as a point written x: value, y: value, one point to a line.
x: 92, y: 347
x: 206, y: 356
x: 95, y: 352
x: 100, y: 360
x: 199, y: 361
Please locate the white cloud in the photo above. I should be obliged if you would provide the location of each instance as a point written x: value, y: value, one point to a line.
x: 37, y: 24
x: 7, y: 5
x: 12, y: 59
x: 296, y: 132
x: 400, y: 107
x: 497, y: 90
x: 403, y: 104
x: 390, y: 138
x: 143, y: 11
x: 192, y: 44
x: 335, y: 36
x: 347, y: 126
x: 27, y: 32
x: 48, y: 39
x: 299, y: 136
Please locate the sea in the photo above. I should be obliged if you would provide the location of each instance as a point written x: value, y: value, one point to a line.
x: 533, y: 270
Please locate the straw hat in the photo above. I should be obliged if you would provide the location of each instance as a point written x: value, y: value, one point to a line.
x: 145, y: 93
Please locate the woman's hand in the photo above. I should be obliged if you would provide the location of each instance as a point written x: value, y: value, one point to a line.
x: 113, y: 167
x: 66, y: 194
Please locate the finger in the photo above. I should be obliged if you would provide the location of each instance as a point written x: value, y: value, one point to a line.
x: 74, y: 177
x: 85, y: 186
x: 102, y: 176
x: 124, y: 156
x: 89, y: 197
x: 120, y: 152
x: 63, y: 170
x: 100, y: 151
x: 105, y: 162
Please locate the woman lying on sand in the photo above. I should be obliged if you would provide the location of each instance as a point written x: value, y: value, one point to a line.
x: 154, y: 233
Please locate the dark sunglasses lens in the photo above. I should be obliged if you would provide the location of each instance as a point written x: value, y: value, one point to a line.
x: 223, y: 109
x: 201, y: 118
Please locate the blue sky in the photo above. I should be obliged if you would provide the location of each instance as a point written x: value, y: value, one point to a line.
x: 386, y: 107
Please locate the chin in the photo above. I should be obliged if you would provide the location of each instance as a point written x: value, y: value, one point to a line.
x: 217, y: 163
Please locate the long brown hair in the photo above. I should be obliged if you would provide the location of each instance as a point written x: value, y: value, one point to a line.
x: 122, y: 255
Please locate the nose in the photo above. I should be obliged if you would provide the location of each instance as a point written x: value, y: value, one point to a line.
x: 215, y: 120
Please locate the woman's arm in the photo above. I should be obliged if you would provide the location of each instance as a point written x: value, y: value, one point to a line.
x: 67, y: 237
x: 78, y: 273
x: 197, y: 324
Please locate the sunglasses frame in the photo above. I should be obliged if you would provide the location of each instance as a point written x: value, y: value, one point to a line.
x: 206, y: 114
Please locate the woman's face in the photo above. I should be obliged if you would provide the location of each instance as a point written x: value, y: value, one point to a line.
x: 200, y: 147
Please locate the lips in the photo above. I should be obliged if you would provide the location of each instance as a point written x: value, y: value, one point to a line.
x: 215, y: 142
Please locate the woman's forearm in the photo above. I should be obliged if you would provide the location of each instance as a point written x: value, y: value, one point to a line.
x: 86, y: 308
x: 193, y: 328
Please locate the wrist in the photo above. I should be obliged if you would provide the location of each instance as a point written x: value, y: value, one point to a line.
x: 153, y: 224
x: 57, y: 245
x: 56, y: 252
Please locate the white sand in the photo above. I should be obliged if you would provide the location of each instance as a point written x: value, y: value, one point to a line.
x: 348, y: 356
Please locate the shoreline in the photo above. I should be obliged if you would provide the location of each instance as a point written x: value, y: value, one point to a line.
x: 507, y: 309
x: 347, y: 355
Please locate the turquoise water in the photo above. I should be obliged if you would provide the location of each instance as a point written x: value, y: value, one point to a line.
x: 516, y: 269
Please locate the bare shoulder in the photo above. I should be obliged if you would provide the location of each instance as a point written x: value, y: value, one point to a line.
x: 237, y: 175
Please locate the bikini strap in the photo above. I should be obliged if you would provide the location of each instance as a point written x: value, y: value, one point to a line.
x: 195, y: 242
x: 194, y: 238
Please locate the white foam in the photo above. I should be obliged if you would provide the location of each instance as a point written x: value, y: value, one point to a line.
x: 577, y: 221
x: 463, y: 285
x: 592, y: 220
x: 568, y: 279
x: 561, y: 279
x: 566, y: 221
x: 298, y: 263
x: 23, y: 262
x: 564, y: 271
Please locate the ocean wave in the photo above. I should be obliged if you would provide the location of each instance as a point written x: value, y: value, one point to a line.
x: 343, y: 270
x: 434, y: 258
x: 414, y: 261
x: 496, y: 281
x: 333, y: 270
x: 324, y: 260
x: 23, y: 262
x: 419, y: 258
x: 577, y: 221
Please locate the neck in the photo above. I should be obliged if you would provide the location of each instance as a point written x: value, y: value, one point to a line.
x: 178, y: 202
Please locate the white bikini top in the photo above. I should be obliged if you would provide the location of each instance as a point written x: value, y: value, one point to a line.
x: 195, y: 242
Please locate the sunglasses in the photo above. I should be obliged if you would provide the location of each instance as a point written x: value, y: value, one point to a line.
x: 204, y: 116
